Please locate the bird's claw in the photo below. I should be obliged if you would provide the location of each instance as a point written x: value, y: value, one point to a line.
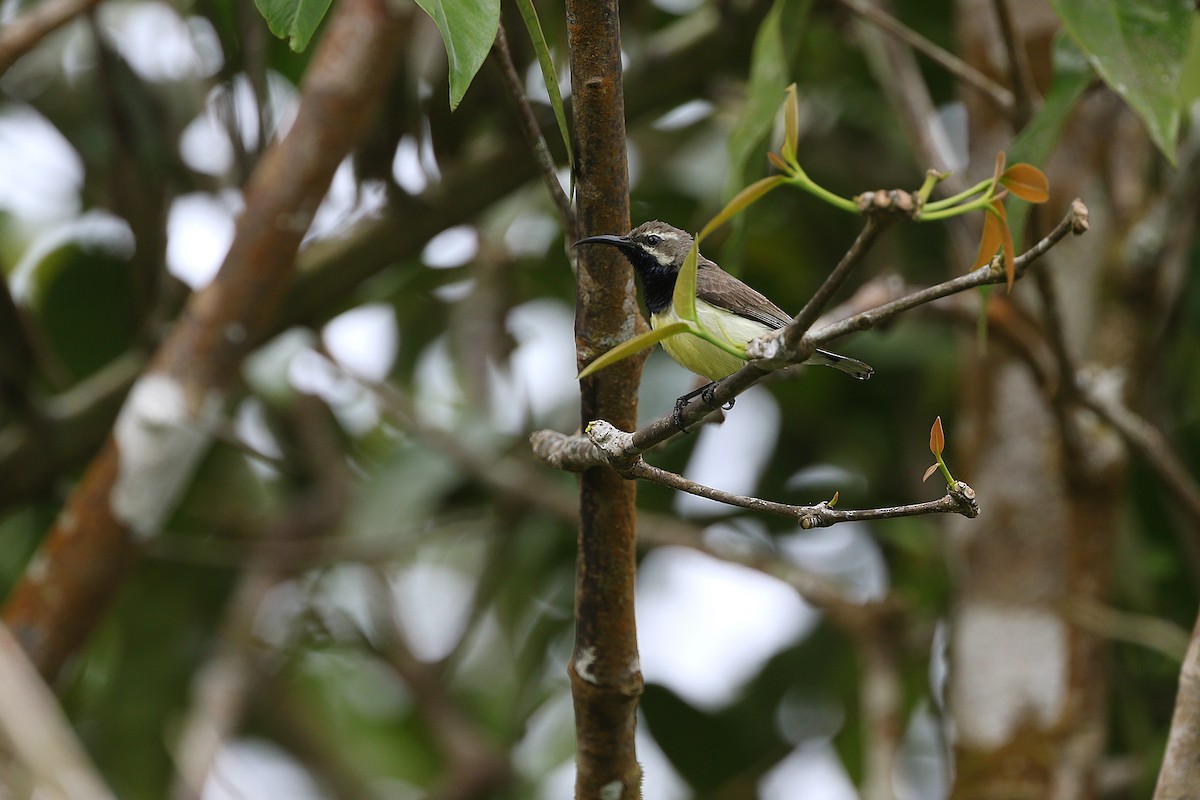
x: 706, y: 394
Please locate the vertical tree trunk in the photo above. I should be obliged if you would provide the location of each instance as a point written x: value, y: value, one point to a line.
x: 1028, y: 684
x: 606, y: 678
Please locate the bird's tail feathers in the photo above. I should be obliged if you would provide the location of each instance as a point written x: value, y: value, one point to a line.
x: 851, y: 366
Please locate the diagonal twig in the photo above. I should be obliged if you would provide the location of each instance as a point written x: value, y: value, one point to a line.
x: 24, y: 33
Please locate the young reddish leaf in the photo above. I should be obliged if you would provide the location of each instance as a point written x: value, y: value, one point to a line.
x: 991, y: 241
x: 1010, y: 256
x: 932, y: 469
x: 937, y: 439
x: 999, y: 170
x: 833, y: 500
x: 1027, y: 182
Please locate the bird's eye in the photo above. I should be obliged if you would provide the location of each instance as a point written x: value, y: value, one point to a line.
x: 653, y: 239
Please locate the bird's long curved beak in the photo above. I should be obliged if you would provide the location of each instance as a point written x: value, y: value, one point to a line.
x: 605, y: 238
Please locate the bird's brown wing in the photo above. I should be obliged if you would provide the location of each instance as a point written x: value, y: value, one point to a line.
x: 717, y: 287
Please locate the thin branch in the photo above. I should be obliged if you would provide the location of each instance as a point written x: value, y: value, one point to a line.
x: 960, y: 69
x: 960, y: 500
x: 1147, y: 442
x: 24, y: 33
x: 795, y: 330
x: 533, y: 134
x: 1152, y: 633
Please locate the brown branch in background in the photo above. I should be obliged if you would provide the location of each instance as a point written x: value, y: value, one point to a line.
x: 1148, y: 443
x: 954, y: 65
x: 165, y: 425
x: 23, y: 33
x: 547, y: 169
x: 1024, y: 92
x: 605, y: 672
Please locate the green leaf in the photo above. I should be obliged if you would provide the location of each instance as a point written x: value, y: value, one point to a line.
x: 1138, y: 48
x: 468, y: 28
x: 549, y: 75
x: 684, y: 298
x: 294, y: 20
x: 631, y: 346
x: 768, y: 78
x: 740, y: 201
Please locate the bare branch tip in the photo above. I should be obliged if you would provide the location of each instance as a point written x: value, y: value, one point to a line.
x: 1079, y: 217
x: 883, y: 204
x: 965, y: 496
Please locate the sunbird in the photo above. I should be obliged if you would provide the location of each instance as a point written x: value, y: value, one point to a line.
x: 725, y: 306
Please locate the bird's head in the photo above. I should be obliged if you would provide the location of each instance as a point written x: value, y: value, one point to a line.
x: 650, y: 247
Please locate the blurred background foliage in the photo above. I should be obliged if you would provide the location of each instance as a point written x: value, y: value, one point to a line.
x: 411, y: 641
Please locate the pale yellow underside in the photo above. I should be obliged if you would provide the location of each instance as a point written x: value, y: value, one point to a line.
x: 698, y: 355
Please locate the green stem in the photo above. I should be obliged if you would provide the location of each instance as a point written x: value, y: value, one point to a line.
x: 807, y: 184
x: 946, y: 202
x: 945, y: 471
x: 941, y: 212
x: 704, y: 334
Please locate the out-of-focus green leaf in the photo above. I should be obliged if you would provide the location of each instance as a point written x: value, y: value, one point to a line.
x: 1139, y: 49
x: 294, y: 20
x: 775, y: 46
x: 1189, y: 84
x: 468, y: 28
x: 82, y: 293
x: 534, y: 26
x: 741, y: 201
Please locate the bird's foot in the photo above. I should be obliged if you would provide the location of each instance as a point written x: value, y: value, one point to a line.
x: 705, y: 393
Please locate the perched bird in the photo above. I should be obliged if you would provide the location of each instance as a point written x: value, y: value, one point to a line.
x: 725, y: 306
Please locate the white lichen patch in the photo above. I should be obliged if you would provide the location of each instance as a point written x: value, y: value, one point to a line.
x: 583, y: 665
x: 159, y: 441
x: 1010, y: 668
x: 612, y: 790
